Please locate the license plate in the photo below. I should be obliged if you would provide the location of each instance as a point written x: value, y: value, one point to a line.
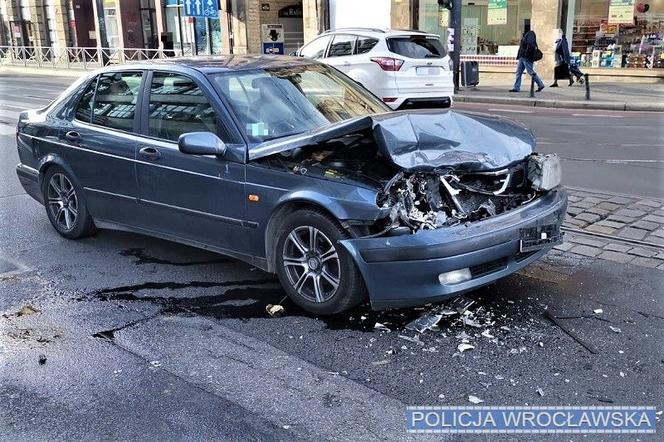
x: 427, y: 70
x: 536, y: 238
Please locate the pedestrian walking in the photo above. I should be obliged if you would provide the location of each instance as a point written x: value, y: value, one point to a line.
x: 562, y: 58
x: 528, y: 54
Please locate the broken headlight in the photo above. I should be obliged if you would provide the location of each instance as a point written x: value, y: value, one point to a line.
x: 544, y: 171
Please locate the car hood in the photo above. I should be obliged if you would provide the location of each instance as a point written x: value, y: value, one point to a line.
x: 426, y: 140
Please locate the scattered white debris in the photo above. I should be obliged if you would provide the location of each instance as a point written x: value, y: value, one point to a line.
x: 482, y: 373
x: 155, y: 363
x: 464, y: 347
x: 381, y: 327
x: 414, y: 339
x: 474, y: 399
x: 382, y: 362
x: 430, y: 350
x: 540, y: 391
x: 622, y: 375
x: 540, y: 343
x: 465, y: 337
x: 487, y: 334
x: 499, y: 377
x: 598, y: 311
x: 275, y: 310
x: 471, y: 322
x: 615, y: 329
x: 285, y: 427
x: 441, y: 396
x: 505, y: 328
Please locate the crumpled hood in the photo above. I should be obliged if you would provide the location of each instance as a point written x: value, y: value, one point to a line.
x: 426, y: 139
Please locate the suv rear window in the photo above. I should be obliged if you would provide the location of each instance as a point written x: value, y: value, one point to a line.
x: 416, y: 46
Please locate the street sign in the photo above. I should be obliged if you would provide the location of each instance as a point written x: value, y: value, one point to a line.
x: 201, y: 8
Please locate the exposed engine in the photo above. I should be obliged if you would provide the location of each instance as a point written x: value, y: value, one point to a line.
x: 430, y: 200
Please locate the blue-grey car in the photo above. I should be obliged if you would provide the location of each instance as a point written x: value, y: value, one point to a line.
x: 289, y: 165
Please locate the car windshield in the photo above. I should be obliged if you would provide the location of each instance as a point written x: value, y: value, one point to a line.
x: 277, y: 102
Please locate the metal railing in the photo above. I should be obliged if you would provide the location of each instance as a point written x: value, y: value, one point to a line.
x: 490, y: 60
x: 81, y: 57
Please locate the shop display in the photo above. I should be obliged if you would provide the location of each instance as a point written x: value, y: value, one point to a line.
x: 604, y: 45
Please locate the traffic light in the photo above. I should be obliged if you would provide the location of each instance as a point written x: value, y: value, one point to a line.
x: 447, y: 4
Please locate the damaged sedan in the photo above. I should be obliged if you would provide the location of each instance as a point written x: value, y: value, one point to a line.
x: 289, y: 165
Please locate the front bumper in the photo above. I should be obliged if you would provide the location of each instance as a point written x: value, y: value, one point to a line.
x: 403, y: 270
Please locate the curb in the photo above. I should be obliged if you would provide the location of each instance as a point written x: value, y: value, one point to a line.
x: 43, y: 72
x: 563, y: 104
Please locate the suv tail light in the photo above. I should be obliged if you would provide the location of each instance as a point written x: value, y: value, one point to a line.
x: 388, y: 63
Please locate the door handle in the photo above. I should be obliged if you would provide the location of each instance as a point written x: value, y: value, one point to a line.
x: 150, y: 153
x: 73, y: 136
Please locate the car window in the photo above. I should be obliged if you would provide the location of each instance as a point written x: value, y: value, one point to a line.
x: 276, y: 102
x: 315, y: 49
x: 115, y: 100
x: 416, y: 46
x: 365, y: 44
x: 341, y: 45
x: 84, y: 107
x: 177, y: 106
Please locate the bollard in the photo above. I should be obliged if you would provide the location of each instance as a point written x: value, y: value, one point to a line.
x: 532, y: 87
x: 586, y: 77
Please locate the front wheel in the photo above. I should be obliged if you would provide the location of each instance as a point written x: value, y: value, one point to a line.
x: 315, y: 270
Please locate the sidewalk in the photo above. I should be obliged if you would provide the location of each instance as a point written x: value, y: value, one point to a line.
x: 604, y: 95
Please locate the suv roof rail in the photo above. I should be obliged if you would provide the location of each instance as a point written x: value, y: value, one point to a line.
x: 416, y: 31
x: 355, y: 28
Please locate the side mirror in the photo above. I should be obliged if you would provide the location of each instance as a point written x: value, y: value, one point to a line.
x: 201, y: 143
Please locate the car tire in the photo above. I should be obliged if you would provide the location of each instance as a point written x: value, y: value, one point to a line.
x: 324, y: 260
x: 65, y: 204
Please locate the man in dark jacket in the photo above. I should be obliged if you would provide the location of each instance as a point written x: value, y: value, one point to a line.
x: 526, y: 57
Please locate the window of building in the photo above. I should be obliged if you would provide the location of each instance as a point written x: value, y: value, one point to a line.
x: 316, y: 49
x: 84, y: 107
x: 365, y: 44
x: 115, y: 100
x: 177, y: 106
x: 342, y: 45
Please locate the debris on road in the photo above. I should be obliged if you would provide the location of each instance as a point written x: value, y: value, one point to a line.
x: 155, y: 363
x: 474, y: 399
x: 425, y: 322
x: 382, y: 327
x: 463, y: 347
x: 573, y: 335
x: 414, y: 339
x: 598, y: 311
x: 27, y: 310
x: 540, y: 391
x: 42, y: 359
x: 487, y: 334
x: 615, y: 329
x: 275, y: 310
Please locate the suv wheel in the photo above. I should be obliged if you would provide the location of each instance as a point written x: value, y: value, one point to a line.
x: 65, y: 204
x: 315, y: 270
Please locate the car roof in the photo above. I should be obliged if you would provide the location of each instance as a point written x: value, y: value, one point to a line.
x: 215, y: 63
x: 376, y: 32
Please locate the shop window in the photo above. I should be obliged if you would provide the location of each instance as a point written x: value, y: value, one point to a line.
x: 177, y: 106
x: 341, y: 46
x: 115, y: 100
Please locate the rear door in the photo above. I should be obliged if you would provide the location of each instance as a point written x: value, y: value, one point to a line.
x: 200, y: 198
x: 102, y: 137
x: 425, y: 67
x: 340, y: 52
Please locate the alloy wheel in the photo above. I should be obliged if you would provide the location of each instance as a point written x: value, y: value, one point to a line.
x: 311, y: 264
x: 62, y: 201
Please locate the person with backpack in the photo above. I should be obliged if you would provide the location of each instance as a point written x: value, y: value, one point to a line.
x: 528, y: 54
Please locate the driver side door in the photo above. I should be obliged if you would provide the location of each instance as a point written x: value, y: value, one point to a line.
x: 199, y: 198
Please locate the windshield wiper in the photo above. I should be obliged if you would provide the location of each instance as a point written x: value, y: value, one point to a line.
x: 287, y: 134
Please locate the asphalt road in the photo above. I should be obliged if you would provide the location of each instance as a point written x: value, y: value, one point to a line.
x: 145, y: 338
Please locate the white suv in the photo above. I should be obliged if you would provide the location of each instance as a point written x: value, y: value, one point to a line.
x: 403, y: 68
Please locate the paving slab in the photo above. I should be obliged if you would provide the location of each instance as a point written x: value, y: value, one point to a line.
x: 631, y: 233
x: 616, y: 256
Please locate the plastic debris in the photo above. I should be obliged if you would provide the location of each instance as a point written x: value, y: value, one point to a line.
x: 460, y: 304
x: 382, y: 362
x: 42, y: 359
x: 464, y: 347
x: 540, y: 391
x: 424, y: 322
x: 414, y: 339
x: 471, y: 322
x: 474, y: 399
x: 598, y: 311
x: 615, y: 329
x: 487, y: 334
x: 155, y: 363
x: 275, y: 310
x: 27, y: 310
x: 381, y: 327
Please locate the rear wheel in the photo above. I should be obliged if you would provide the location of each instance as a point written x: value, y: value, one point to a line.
x: 65, y: 204
x: 315, y: 270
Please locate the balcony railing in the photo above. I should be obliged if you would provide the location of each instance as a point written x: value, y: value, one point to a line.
x: 81, y: 57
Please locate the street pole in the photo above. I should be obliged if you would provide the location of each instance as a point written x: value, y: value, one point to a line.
x: 180, y: 29
x: 455, y: 23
